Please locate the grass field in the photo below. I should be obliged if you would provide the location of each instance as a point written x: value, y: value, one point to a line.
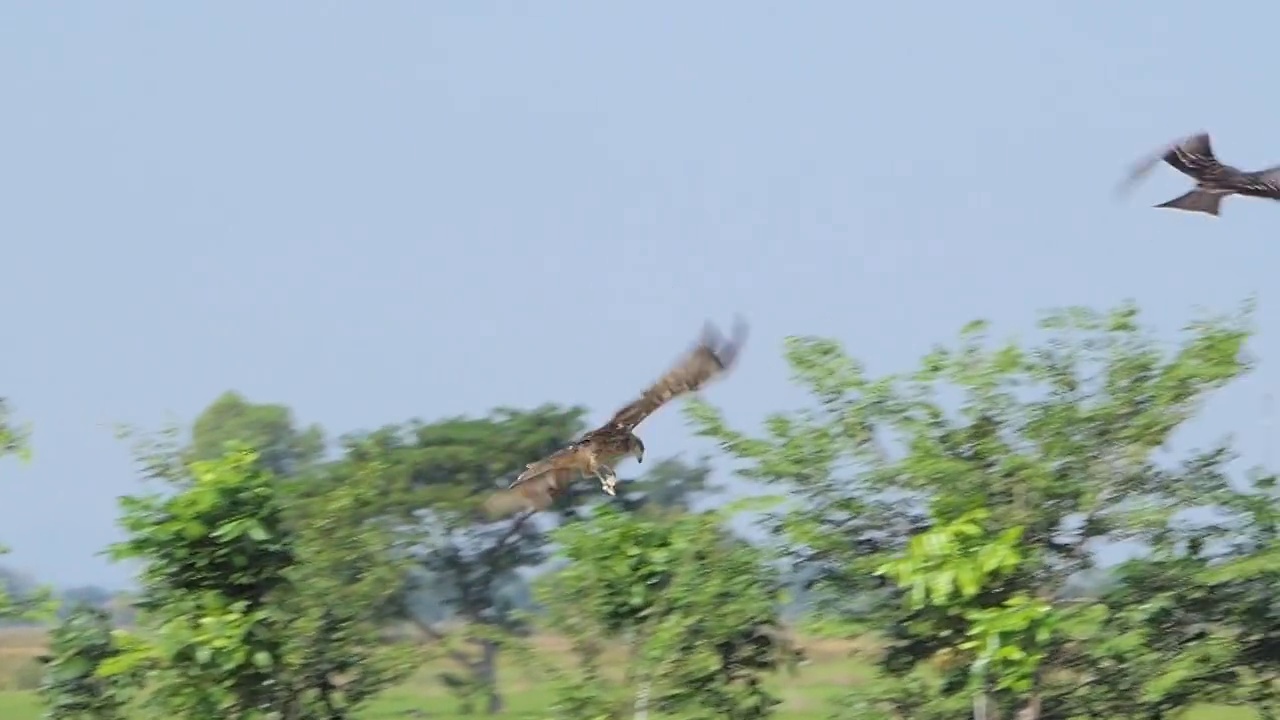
x: 806, y: 696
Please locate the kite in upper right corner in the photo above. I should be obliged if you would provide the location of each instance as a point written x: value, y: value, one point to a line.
x: 1193, y: 156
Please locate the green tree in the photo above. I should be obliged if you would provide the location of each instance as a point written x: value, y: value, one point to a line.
x: 254, y: 600
x: 953, y: 577
x: 1196, y: 620
x: 433, y: 479
x: 1058, y: 437
x: 73, y: 689
x: 697, y: 607
x: 1233, y: 605
x: 1153, y: 646
x: 18, y: 601
x: 268, y: 428
x: 20, y: 587
x: 13, y: 436
x: 345, y: 586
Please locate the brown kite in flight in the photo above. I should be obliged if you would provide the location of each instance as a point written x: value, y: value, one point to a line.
x: 595, y: 453
x: 1193, y: 156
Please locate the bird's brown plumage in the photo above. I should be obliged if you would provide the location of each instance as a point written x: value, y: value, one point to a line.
x: 1193, y: 156
x: 596, y: 451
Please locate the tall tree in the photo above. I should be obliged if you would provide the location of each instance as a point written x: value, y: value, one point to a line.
x: 1196, y: 620
x: 1237, y: 566
x: 74, y: 686
x: 1153, y: 645
x: 697, y: 607
x: 433, y: 479
x: 254, y: 600
x: 269, y: 428
x: 17, y: 599
x: 955, y: 580
x: 1059, y: 438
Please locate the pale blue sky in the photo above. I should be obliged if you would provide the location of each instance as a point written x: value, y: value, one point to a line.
x: 374, y: 211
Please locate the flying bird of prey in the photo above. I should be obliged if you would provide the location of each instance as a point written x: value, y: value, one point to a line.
x: 596, y: 452
x: 1193, y: 156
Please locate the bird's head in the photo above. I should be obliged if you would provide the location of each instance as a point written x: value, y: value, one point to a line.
x: 637, y: 448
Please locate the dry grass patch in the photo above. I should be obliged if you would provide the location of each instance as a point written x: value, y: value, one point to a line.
x: 19, y: 669
x: 830, y: 661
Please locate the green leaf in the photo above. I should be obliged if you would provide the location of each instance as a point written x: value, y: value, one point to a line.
x: 262, y: 659
x: 121, y: 664
x: 967, y: 580
x: 943, y: 585
x: 194, y: 529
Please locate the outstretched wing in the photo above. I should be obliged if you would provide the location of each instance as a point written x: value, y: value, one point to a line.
x: 542, y: 481
x: 710, y: 358
x: 567, y: 457
x: 1191, y: 155
x: 537, y: 493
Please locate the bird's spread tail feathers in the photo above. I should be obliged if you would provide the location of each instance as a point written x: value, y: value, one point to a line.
x: 1195, y: 201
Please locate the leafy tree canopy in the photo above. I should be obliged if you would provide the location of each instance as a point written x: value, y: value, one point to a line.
x: 1059, y: 438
